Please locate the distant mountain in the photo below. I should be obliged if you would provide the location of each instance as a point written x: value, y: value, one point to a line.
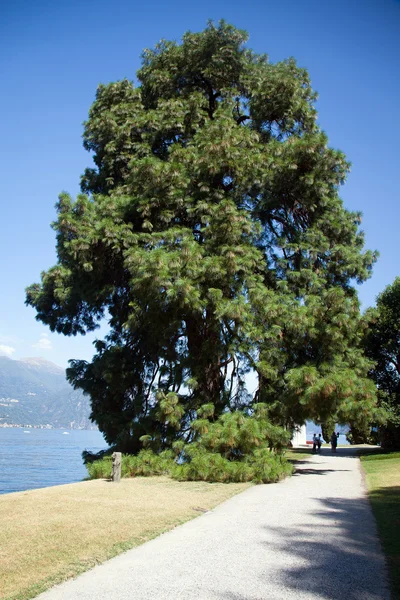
x: 34, y: 392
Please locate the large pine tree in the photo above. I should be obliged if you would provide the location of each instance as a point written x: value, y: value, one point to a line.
x: 212, y: 238
x: 382, y: 346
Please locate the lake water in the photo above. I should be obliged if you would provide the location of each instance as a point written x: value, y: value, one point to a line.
x: 35, y: 458
x: 312, y: 428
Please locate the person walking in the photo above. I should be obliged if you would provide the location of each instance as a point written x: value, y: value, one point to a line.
x: 315, y: 443
x: 334, y: 439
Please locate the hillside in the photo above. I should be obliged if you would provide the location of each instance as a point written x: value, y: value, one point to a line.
x: 34, y: 391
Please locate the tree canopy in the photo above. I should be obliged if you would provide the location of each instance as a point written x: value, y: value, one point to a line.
x: 211, y: 236
x: 382, y: 346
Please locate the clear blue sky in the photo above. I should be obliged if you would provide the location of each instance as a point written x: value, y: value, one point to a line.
x: 53, y: 54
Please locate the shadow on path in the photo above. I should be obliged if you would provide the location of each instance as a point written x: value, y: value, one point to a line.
x: 341, y: 452
x: 345, y: 563
x: 303, y: 471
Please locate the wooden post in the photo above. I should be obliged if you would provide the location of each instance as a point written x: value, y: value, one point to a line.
x: 116, y: 467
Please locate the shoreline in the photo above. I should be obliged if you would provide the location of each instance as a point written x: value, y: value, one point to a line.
x: 47, y: 426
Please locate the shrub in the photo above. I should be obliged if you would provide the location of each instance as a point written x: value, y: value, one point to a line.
x: 234, y: 448
x: 100, y: 469
x: 268, y: 467
x: 147, y: 463
x: 262, y: 466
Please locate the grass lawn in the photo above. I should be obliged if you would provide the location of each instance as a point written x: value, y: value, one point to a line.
x: 383, y: 482
x: 51, y: 534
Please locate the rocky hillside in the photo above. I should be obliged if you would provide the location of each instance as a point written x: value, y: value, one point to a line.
x: 35, y: 392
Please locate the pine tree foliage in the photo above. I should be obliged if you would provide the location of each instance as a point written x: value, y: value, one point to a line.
x: 211, y: 235
x: 382, y: 346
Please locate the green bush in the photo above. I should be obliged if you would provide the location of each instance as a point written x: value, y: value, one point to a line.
x: 262, y: 466
x: 201, y: 465
x: 268, y: 467
x: 146, y: 464
x: 100, y: 469
x: 234, y: 448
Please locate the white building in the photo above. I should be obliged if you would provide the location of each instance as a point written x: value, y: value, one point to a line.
x: 299, y: 437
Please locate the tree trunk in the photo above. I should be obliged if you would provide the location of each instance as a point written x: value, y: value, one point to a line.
x: 327, y: 430
x: 204, y: 346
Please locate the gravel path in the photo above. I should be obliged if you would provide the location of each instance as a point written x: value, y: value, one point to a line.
x: 310, y: 537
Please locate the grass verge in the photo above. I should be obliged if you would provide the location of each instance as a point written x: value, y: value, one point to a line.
x: 52, y: 534
x: 383, y: 482
x: 295, y: 454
